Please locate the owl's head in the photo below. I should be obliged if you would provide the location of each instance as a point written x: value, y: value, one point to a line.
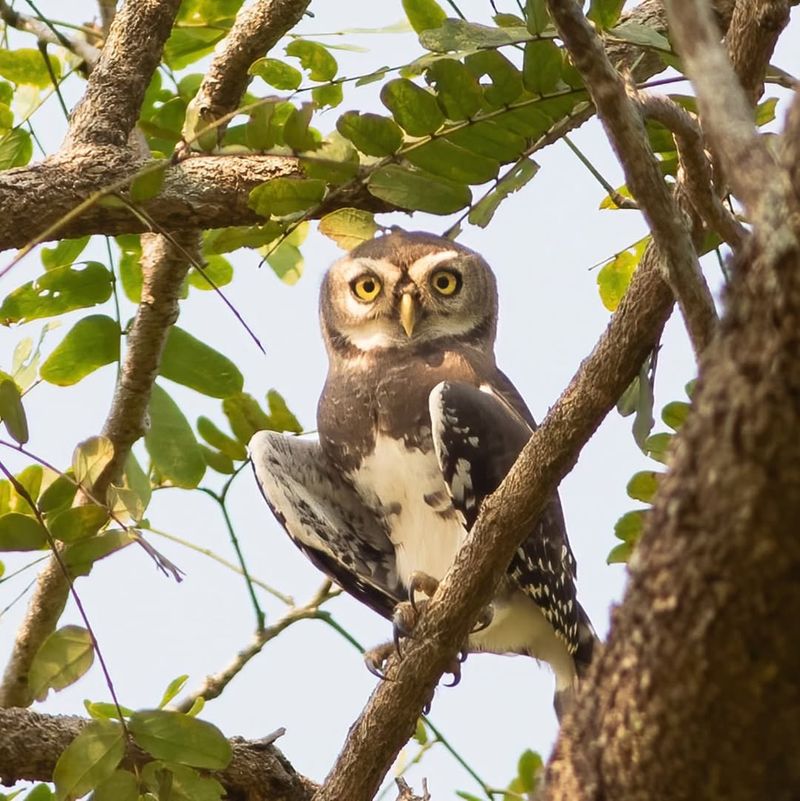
x: 407, y: 289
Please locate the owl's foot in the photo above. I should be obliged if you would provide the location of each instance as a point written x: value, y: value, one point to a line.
x: 422, y: 583
x: 376, y: 658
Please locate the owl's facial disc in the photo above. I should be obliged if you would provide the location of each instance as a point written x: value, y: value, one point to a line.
x: 407, y: 295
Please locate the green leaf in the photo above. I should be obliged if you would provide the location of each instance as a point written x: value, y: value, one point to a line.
x: 137, y: 480
x: 180, y: 783
x: 541, y: 67
x: 282, y: 196
x: 529, y: 768
x: 450, y: 161
x: 90, y: 344
x: 19, y: 532
x: 372, y: 134
x: 457, y: 91
x: 171, y: 443
x: 215, y: 273
x: 31, y: 478
x: 130, y: 274
x: 91, y: 758
x: 26, y: 66
x: 413, y: 108
x: 194, y: 364
x: 657, y: 446
x: 80, y: 556
x: 506, y: 79
x: 643, y: 485
x: 641, y: 35
x: 245, y: 416
x: 421, y: 733
x: 60, y: 661
x: 296, y: 133
x: 220, y: 440
x: 604, y: 13
x: 78, y: 522
x: 630, y: 526
x: 276, y: 73
x: 41, y: 792
x: 489, y: 139
x: 348, y: 227
x: 189, y: 44
x: 119, y: 786
x: 643, y: 422
x: 280, y: 416
x: 418, y: 190
x: 287, y: 262
x: 315, y: 58
x: 173, y: 688
x: 12, y: 412
x: 59, y: 495
x: 259, y: 133
x: 336, y: 162
x: 619, y: 554
x: 56, y: 292
x: 100, y: 710
x: 457, y: 35
x: 330, y: 95
x: 674, y: 414
x: 482, y: 212
x: 64, y: 253
x: 765, y: 112
x: 424, y: 14
x: 90, y: 458
x: 224, y: 240
x: 537, y: 15
x: 16, y: 148
x: 147, y: 184
x: 178, y: 738
x: 217, y: 461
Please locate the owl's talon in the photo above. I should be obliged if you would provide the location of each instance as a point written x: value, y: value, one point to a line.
x: 376, y: 658
x: 404, y: 619
x: 455, y: 669
x: 423, y: 583
x: 484, y: 619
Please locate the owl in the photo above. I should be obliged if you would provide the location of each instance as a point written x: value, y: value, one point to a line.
x: 417, y: 425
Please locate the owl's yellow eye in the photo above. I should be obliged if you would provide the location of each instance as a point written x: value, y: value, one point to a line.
x: 366, y: 288
x: 446, y: 282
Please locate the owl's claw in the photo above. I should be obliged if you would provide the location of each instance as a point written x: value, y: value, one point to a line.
x: 376, y: 658
x: 484, y: 619
x: 423, y: 583
x: 404, y: 619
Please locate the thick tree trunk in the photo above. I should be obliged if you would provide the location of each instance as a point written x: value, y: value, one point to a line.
x: 697, y: 694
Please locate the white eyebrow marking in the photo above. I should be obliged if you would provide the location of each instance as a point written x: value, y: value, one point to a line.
x: 421, y: 266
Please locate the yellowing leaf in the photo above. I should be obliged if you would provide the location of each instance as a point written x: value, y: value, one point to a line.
x: 90, y: 459
x: 348, y: 227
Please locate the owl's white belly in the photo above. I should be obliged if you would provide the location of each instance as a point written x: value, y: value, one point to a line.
x: 395, y: 481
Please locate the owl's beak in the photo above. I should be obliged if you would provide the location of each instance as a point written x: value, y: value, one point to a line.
x: 408, y: 313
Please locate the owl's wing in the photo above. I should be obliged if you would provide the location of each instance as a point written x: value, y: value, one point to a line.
x: 477, y: 436
x: 326, y: 519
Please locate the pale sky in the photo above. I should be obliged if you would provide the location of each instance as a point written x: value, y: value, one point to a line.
x: 541, y: 245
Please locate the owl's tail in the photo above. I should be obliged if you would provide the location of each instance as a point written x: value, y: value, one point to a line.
x: 588, y: 641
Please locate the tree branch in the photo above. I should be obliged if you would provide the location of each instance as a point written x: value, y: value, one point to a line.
x: 115, y: 90
x: 257, y: 29
x: 695, y: 174
x: 32, y: 743
x: 626, y: 132
x: 47, y: 35
x: 724, y: 108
